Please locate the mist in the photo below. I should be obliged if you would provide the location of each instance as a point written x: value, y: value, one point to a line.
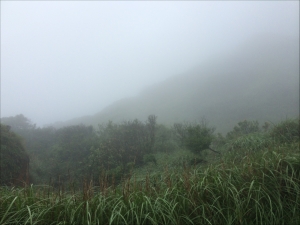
x: 61, y: 60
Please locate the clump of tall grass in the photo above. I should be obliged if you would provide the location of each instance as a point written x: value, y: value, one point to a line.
x: 261, y: 187
x: 251, y: 142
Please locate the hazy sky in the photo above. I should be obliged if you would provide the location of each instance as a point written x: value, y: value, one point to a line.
x: 66, y: 59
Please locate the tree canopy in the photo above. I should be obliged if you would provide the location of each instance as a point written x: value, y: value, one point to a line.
x: 14, y: 159
x: 196, y: 137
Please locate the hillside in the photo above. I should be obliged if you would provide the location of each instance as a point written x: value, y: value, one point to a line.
x: 258, y: 80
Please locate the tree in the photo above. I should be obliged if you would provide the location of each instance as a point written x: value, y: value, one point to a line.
x: 243, y: 128
x: 165, y: 140
x: 14, y: 159
x: 198, y: 138
x: 18, y: 123
x: 152, y: 130
x: 127, y: 142
x: 69, y: 155
x: 22, y: 126
x: 195, y: 137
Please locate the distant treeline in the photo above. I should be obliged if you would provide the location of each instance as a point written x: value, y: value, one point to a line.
x: 74, y: 153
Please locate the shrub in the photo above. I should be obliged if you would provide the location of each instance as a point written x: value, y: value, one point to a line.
x: 198, y: 138
x: 243, y: 128
x: 148, y: 158
x: 195, y: 137
x: 286, y: 131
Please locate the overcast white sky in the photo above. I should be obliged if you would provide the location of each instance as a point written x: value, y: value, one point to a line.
x: 66, y: 59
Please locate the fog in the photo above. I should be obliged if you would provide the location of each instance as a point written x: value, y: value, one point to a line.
x: 65, y: 59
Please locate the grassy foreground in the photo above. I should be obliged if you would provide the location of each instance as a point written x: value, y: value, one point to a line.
x: 249, y: 187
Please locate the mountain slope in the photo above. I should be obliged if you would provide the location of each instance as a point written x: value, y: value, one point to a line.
x: 258, y: 80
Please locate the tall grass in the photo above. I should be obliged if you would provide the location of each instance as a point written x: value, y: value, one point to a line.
x: 256, y: 181
x: 252, y: 187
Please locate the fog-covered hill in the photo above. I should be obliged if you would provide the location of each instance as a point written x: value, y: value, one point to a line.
x: 258, y: 80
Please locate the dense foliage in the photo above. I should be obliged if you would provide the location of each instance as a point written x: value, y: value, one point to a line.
x: 261, y: 187
x: 285, y: 132
x: 14, y: 159
x: 196, y: 137
x: 243, y: 128
x: 79, y: 152
x: 146, y: 173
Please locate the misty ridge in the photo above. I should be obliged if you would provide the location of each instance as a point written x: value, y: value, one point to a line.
x: 258, y: 80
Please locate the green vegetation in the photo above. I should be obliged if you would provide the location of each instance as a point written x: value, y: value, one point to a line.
x: 196, y: 137
x: 14, y: 160
x: 146, y: 173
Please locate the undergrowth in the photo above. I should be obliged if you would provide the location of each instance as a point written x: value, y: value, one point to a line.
x: 254, y: 183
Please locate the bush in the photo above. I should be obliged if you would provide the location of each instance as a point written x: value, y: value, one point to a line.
x: 195, y: 137
x: 198, y: 138
x: 148, y: 158
x: 286, y: 131
x: 243, y: 128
